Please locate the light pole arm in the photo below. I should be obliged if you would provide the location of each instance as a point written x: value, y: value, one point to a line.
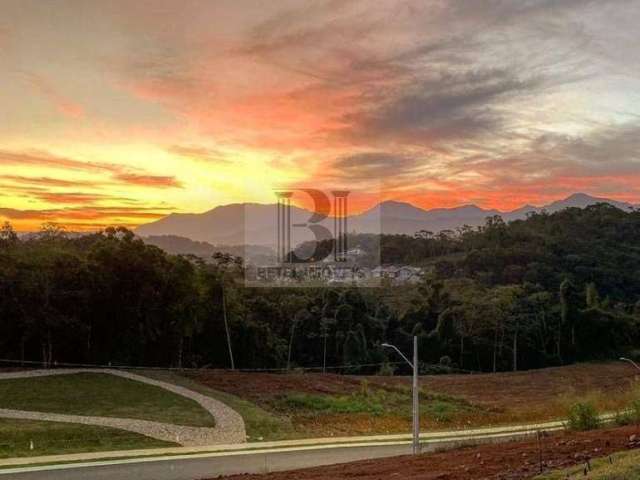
x: 399, y: 353
x: 628, y: 360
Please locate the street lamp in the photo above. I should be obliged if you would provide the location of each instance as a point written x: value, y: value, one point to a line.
x: 416, y: 403
x: 628, y: 360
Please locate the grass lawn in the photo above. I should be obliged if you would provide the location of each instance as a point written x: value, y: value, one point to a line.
x: 441, y: 408
x: 101, y: 394
x: 621, y: 466
x: 50, y: 438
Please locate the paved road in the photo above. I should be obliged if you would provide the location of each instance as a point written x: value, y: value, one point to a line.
x: 211, y: 465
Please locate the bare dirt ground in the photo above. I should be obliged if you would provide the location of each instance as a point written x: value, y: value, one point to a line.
x: 261, y: 386
x: 538, y: 394
x: 511, y: 461
x: 495, y: 389
x: 503, y: 398
x: 533, y: 386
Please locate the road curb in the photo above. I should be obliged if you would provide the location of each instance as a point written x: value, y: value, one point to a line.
x: 202, y: 462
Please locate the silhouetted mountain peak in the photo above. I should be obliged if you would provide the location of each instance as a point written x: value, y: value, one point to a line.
x: 241, y: 223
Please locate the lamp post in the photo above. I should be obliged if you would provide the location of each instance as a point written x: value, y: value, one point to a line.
x: 628, y: 360
x: 415, y: 392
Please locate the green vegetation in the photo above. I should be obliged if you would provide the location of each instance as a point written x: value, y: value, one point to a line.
x: 330, y: 403
x: 620, y: 466
x: 378, y: 402
x: 97, y: 394
x: 629, y: 416
x: 582, y: 416
x: 26, y: 438
x: 630, y: 413
x: 549, y: 290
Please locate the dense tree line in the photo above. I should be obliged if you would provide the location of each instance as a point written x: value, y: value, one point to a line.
x: 547, y: 290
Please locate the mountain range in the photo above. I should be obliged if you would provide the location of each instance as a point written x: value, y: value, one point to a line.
x: 255, y: 224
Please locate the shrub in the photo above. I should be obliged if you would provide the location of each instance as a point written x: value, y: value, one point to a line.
x: 387, y: 370
x: 583, y: 416
x: 623, y: 418
x: 634, y: 409
x: 364, y: 388
x: 445, y: 361
x: 630, y: 416
x: 441, y: 412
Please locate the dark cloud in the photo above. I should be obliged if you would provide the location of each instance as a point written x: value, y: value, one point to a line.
x: 304, y: 25
x: 604, y: 144
x: 609, y: 150
x: 374, y: 166
x: 448, y: 106
x: 607, y: 154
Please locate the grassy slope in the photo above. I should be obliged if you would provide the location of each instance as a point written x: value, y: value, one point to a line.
x: 50, y: 438
x: 376, y: 402
x: 260, y: 424
x: 99, y: 394
x: 621, y: 466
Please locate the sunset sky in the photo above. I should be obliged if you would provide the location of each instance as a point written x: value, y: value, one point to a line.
x: 122, y: 111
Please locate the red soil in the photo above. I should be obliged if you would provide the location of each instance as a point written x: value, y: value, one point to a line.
x: 510, y: 461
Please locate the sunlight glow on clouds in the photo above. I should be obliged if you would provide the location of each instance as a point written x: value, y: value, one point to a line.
x: 122, y: 112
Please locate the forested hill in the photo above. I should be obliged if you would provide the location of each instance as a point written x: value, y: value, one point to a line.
x: 598, y: 244
x: 548, y: 290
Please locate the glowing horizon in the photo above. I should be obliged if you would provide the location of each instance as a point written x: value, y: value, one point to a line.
x: 119, y: 113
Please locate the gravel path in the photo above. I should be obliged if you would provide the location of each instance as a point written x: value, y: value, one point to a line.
x: 229, y: 427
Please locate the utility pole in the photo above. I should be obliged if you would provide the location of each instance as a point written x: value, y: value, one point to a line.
x: 226, y: 326
x: 414, y: 390
x: 416, y: 400
x: 324, y: 350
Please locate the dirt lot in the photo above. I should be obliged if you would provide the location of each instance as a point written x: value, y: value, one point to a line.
x: 534, y: 386
x: 502, y: 398
x: 539, y: 394
x: 498, y: 389
x: 511, y: 461
x: 260, y: 386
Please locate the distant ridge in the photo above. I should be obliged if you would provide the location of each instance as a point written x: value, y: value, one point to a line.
x: 253, y: 223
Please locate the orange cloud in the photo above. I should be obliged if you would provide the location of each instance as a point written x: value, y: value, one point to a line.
x: 120, y: 173
x: 91, y: 218
x: 406, y: 100
x: 154, y: 181
x: 63, y: 104
x: 199, y: 153
x: 38, y: 158
x: 74, y: 198
x: 46, y: 181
